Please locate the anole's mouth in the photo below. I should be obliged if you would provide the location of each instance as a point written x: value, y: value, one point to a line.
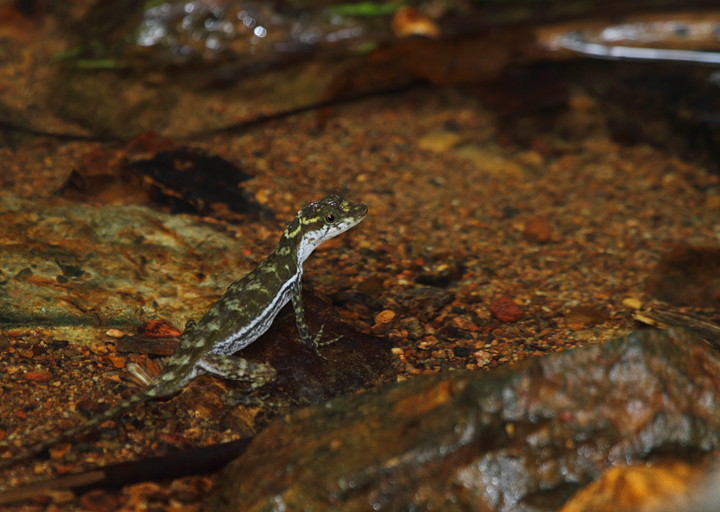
x: 362, y: 209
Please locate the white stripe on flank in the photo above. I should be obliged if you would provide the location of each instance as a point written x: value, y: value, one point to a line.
x: 260, y: 323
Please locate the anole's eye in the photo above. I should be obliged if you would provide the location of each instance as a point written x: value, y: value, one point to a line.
x: 330, y: 218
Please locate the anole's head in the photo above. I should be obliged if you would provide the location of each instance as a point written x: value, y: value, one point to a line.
x: 320, y: 221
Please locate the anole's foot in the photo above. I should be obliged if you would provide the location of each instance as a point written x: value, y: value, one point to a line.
x: 314, y: 344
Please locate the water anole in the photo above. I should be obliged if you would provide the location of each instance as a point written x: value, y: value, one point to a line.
x: 239, y: 317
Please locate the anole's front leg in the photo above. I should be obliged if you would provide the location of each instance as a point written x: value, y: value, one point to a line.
x: 302, y: 327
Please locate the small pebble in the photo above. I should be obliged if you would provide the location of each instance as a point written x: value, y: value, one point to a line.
x: 99, y: 350
x: 505, y: 310
x: 632, y: 303
x: 537, y: 230
x: 115, y: 333
x: 439, y: 141
x: 482, y: 357
x: 464, y: 324
x: 37, y: 376
x: 59, y: 451
x: 115, y: 361
x: 27, y: 354
x: 384, y: 317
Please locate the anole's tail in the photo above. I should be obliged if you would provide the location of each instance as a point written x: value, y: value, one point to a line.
x: 89, y: 425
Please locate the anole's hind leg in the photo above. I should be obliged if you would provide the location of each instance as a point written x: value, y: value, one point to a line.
x: 236, y: 368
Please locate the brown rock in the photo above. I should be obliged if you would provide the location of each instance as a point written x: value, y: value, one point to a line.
x: 383, y: 322
x: 115, y: 361
x: 27, y: 354
x: 465, y: 324
x: 537, y: 230
x: 384, y: 317
x: 505, y: 310
x: 37, y: 376
x: 581, y: 317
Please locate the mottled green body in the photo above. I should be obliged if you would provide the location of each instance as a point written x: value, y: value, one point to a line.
x: 240, y: 316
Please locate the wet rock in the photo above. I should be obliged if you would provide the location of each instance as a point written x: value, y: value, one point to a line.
x: 687, y: 276
x: 516, y: 438
x: 170, y: 34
